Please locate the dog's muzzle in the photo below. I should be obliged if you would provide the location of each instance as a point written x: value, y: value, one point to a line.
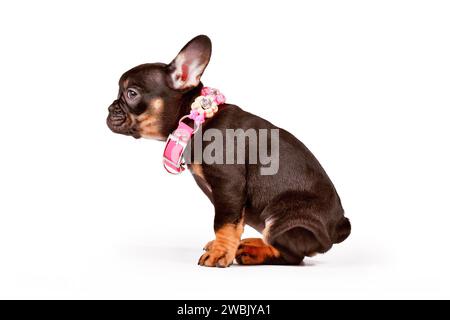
x: 118, y: 120
x: 117, y: 116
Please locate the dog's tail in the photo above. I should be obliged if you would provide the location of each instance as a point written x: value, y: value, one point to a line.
x: 343, y: 229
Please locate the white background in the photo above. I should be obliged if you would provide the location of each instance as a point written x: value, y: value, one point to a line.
x: 85, y: 213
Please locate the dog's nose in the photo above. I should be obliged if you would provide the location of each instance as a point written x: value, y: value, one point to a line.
x: 115, y: 110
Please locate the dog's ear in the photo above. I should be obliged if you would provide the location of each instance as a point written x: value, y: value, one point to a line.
x: 188, y: 66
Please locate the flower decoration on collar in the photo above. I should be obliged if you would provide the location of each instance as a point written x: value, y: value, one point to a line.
x: 207, y: 103
x: 218, y: 97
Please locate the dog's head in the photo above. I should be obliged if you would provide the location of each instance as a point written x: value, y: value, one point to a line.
x: 153, y: 97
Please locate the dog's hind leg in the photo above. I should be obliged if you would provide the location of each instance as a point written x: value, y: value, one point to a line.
x: 297, y: 225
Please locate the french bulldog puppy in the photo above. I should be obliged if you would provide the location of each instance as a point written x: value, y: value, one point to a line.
x: 297, y: 210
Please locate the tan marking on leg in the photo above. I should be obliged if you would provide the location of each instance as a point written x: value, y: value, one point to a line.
x: 257, y: 242
x: 255, y: 251
x: 222, y: 251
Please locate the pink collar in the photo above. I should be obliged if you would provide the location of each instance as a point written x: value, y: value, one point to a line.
x: 203, y: 107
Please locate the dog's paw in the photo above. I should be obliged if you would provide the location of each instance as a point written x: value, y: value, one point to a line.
x: 208, y: 246
x: 216, y: 257
x: 254, y: 251
x: 255, y: 242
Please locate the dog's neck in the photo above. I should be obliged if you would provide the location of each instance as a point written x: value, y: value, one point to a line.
x: 187, y: 100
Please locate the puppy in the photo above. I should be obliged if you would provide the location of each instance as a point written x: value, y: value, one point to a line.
x: 297, y: 210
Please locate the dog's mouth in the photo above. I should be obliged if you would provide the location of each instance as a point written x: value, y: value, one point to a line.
x: 117, y: 120
x: 120, y: 122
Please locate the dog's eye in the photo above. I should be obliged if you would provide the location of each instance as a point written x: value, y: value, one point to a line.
x: 131, y: 94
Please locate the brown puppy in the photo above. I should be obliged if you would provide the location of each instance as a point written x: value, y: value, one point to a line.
x: 297, y: 209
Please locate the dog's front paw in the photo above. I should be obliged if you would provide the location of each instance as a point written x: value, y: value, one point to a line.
x: 208, y: 246
x: 216, y: 256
